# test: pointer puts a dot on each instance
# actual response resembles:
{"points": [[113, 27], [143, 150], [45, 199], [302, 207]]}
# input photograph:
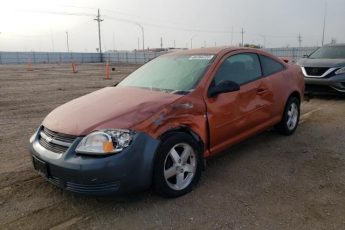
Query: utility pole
{"points": [[299, 38], [53, 46], [138, 43], [232, 35], [174, 44], [242, 32], [264, 38], [324, 25], [191, 40], [143, 35], [114, 48], [67, 42], [161, 43], [99, 20]]}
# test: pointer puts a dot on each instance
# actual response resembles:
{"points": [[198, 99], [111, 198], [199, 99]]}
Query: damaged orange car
{"points": [[157, 126]]}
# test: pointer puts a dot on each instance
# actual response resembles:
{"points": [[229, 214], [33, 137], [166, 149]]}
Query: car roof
{"points": [[213, 51], [221, 51], [336, 45]]}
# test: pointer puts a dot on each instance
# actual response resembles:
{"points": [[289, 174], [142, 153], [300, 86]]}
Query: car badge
{"points": [[49, 139]]}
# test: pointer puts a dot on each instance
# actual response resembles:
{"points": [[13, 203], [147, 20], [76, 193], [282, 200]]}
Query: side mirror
{"points": [[305, 56], [223, 87]]}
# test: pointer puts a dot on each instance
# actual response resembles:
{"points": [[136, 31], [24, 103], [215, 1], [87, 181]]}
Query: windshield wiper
{"points": [[181, 92]]}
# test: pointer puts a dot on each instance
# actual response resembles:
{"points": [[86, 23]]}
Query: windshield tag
{"points": [[201, 57]]}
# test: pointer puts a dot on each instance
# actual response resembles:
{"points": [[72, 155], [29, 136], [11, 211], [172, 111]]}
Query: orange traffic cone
{"points": [[74, 67], [29, 67], [107, 71]]}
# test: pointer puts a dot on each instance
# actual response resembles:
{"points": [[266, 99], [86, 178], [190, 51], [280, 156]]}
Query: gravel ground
{"points": [[267, 182]]}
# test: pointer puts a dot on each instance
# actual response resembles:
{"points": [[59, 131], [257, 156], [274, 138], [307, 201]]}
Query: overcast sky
{"points": [[41, 25]]}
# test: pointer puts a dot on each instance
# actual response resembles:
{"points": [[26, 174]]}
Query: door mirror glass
{"points": [[223, 87]]}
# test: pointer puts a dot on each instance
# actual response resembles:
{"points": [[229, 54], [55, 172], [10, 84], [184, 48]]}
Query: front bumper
{"points": [[125, 172], [336, 83]]}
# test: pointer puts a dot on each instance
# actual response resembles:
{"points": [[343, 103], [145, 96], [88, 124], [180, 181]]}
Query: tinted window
{"points": [[329, 52], [270, 66], [240, 68]]}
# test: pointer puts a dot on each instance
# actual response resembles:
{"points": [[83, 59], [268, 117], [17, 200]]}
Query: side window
{"points": [[239, 68], [270, 66]]}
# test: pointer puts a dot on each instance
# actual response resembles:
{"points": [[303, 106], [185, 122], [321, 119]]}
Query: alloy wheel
{"points": [[180, 166]]}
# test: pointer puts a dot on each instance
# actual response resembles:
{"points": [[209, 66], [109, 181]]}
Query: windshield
{"points": [[171, 74], [329, 52]]}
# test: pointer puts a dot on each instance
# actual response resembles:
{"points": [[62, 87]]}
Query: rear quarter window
{"points": [[270, 66]]}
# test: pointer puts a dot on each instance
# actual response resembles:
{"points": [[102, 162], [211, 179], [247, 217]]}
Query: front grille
{"points": [[55, 142], [316, 71], [104, 188], [59, 136], [89, 188]]}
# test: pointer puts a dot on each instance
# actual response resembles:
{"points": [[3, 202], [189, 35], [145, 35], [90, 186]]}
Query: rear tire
{"points": [[290, 119], [178, 165]]}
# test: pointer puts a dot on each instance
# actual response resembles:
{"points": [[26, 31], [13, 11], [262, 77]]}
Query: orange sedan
{"points": [[158, 125]]}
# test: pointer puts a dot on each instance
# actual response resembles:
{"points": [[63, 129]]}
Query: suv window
{"points": [[270, 66], [329, 52], [239, 68]]}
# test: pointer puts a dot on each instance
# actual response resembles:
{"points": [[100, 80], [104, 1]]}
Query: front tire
{"points": [[178, 165], [290, 120]]}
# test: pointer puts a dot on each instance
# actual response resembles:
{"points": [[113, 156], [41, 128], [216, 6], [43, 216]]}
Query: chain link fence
{"points": [[293, 53], [135, 57], [120, 57], [47, 57]]}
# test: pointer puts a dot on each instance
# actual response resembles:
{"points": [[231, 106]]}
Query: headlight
{"points": [[105, 142], [340, 71]]}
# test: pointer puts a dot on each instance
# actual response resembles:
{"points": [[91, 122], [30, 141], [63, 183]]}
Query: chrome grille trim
{"points": [[55, 142], [330, 70], [59, 136]]}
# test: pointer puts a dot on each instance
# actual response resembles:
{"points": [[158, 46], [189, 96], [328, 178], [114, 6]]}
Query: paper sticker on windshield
{"points": [[201, 57]]}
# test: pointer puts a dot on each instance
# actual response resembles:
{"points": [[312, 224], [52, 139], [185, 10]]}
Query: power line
{"points": [[200, 30], [165, 26], [171, 24], [58, 13]]}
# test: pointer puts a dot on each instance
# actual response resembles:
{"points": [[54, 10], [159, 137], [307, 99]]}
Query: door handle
{"points": [[261, 91]]}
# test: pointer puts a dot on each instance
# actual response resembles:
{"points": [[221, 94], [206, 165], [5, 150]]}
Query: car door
{"points": [[236, 115], [277, 79]]}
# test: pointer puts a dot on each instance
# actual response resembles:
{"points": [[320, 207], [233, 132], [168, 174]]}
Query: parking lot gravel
{"points": [[267, 182]]}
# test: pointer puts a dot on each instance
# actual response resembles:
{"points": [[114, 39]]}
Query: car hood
{"points": [[309, 62], [110, 107]]}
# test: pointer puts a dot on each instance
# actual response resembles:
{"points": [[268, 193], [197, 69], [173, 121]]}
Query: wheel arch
{"points": [[295, 94], [186, 130]]}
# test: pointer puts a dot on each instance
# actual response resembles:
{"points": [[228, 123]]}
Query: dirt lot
{"points": [[268, 182]]}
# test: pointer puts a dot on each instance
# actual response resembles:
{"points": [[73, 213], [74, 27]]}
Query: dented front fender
{"points": [[188, 111]]}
